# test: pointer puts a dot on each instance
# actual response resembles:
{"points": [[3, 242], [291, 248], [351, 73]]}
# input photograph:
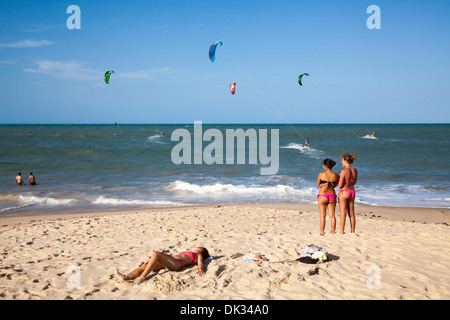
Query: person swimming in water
{"points": [[348, 178], [32, 179], [159, 260], [19, 180]]}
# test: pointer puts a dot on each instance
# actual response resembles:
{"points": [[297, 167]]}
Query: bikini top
{"points": [[329, 182], [190, 254]]}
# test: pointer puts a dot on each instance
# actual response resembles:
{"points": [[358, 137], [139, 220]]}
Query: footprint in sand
{"points": [[220, 270]]}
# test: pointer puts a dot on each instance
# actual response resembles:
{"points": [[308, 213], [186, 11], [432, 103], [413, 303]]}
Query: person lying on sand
{"points": [[160, 260]]}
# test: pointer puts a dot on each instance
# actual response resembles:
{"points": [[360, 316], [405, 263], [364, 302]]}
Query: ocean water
{"points": [[105, 167]]}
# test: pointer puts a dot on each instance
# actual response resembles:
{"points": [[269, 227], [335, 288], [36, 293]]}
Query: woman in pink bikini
{"points": [[160, 260], [327, 181], [347, 180]]}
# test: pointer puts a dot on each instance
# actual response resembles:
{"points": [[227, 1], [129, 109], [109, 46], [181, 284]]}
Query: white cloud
{"points": [[26, 44], [75, 70], [70, 70]]}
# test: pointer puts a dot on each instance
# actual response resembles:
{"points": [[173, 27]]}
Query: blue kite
{"points": [[212, 50]]}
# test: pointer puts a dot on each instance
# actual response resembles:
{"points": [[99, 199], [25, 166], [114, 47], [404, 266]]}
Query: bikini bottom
{"points": [[350, 192], [330, 197]]}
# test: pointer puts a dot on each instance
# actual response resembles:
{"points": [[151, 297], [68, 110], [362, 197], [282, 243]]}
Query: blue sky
{"points": [[158, 50]]}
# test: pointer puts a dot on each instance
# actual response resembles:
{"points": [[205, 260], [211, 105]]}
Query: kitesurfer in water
{"points": [[306, 143]]}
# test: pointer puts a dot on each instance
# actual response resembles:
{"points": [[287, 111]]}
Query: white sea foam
{"points": [[225, 191], [22, 201], [153, 137], [368, 136], [156, 139], [413, 195], [120, 202], [14, 208], [44, 200], [307, 150]]}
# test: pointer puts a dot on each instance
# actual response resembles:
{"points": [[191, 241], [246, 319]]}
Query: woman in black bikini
{"points": [[160, 260], [327, 181]]}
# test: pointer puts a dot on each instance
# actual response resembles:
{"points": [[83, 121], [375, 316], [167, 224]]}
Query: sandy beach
{"points": [[396, 253]]}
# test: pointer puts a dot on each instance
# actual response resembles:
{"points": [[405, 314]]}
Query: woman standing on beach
{"points": [[160, 260], [327, 181], [347, 180]]}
